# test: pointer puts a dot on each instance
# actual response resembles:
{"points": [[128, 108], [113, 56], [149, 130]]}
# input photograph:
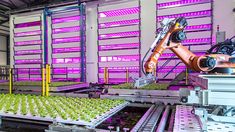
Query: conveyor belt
{"points": [[149, 121]]}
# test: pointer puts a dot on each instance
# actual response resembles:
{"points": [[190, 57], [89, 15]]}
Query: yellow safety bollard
{"points": [[43, 81], [186, 76], [154, 71], [10, 81], [47, 79], [127, 75], [106, 75]]}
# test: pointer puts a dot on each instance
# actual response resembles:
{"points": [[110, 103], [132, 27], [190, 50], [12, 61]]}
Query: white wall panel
{"points": [[3, 58], [109, 6], [119, 41], [27, 29], [66, 14], [27, 57], [35, 47], [204, 34], [30, 38], [18, 20], [183, 9]]}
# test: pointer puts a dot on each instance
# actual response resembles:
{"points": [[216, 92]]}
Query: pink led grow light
{"points": [[32, 33], [120, 12], [181, 3], [66, 40], [66, 71], [28, 24], [33, 42], [65, 19], [187, 15], [123, 58], [119, 23], [25, 52], [64, 50], [119, 46], [119, 35], [199, 27], [27, 71], [197, 41], [67, 29], [29, 61], [67, 60]]}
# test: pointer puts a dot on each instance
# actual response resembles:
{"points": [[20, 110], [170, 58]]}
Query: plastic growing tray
{"points": [[68, 110]]}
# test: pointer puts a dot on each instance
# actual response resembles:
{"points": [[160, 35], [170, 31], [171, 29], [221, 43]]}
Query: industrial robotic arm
{"points": [[170, 37]]}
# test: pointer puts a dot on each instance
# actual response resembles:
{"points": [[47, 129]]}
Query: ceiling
{"points": [[7, 6]]}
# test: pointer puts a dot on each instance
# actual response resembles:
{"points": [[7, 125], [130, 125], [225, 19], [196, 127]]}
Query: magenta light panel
{"points": [[66, 29], [65, 19], [25, 49], [120, 12], [194, 11], [181, 3], [28, 24], [31, 33], [116, 64], [119, 46]]}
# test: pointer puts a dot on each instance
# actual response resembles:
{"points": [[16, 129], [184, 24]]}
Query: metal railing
{"points": [[172, 70]]}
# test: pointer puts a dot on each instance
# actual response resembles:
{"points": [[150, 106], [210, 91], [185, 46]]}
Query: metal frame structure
{"points": [[220, 92]]}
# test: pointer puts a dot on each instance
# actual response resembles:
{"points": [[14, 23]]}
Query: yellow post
{"points": [[47, 79], [106, 75], [186, 76], [127, 75], [154, 71], [10, 81], [43, 81]]}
